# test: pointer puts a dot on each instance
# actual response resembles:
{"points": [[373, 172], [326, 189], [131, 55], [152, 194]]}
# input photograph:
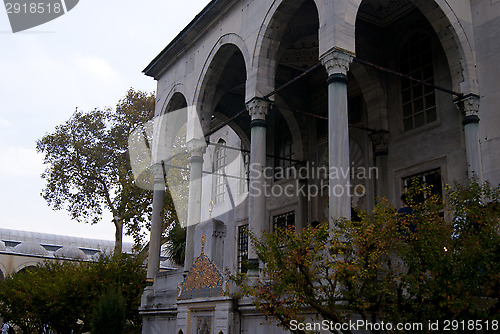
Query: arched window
{"points": [[219, 172], [418, 100]]}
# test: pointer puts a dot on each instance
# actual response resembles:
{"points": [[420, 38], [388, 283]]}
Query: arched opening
{"points": [[222, 92], [397, 35], [222, 96], [25, 268], [298, 128], [177, 101]]}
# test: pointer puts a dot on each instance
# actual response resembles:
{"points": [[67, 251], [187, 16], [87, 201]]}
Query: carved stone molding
{"points": [[158, 173], [337, 61], [197, 147], [469, 104], [258, 108], [219, 230], [380, 141]]}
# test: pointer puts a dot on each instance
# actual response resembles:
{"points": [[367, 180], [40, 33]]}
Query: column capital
{"points": [[258, 108], [380, 141], [337, 61], [158, 174], [469, 104], [196, 147]]}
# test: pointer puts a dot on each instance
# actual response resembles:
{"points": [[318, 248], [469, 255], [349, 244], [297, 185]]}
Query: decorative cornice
{"points": [[337, 61], [258, 108]]}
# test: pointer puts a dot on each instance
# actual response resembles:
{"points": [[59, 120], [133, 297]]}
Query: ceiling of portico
{"points": [[383, 12], [299, 43]]}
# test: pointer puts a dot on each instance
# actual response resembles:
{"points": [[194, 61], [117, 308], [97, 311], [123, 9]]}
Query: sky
{"points": [[85, 59]]}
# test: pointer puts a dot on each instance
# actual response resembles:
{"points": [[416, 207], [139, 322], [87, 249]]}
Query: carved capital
{"points": [[380, 141], [158, 174], [258, 108], [196, 147], [337, 61], [469, 104]]}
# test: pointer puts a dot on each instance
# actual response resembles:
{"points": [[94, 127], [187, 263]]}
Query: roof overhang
{"points": [[187, 37]]}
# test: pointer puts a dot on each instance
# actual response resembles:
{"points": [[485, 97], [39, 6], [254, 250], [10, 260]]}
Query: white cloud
{"points": [[19, 161]]}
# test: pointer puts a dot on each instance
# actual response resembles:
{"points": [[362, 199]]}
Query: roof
{"points": [[54, 241], [193, 31]]}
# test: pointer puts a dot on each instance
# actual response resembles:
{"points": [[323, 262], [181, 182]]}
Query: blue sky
{"points": [[87, 58]]}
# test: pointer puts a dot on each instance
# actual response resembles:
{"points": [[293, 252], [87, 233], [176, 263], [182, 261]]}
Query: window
{"points": [[219, 172], [418, 100], [283, 143], [431, 180], [284, 220], [244, 170], [243, 248]]}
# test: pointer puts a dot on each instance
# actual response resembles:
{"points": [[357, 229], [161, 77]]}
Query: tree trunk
{"points": [[118, 235]]}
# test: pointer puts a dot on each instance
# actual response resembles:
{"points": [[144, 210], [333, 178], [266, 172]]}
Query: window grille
{"points": [[284, 220], [418, 101], [283, 144], [430, 180], [219, 172], [242, 248]]}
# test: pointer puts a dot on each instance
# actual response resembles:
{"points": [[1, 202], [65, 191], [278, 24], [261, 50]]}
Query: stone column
{"points": [[156, 222], [470, 106], [258, 109], [194, 202], [337, 64], [380, 141]]}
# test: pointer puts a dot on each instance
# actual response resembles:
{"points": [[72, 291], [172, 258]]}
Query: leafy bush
{"points": [[109, 314], [64, 294], [449, 268]]}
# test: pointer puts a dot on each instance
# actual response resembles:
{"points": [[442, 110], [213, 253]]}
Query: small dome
{"points": [[30, 248], [2, 246], [70, 252]]}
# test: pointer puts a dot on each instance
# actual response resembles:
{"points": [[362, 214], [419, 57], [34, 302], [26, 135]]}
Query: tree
{"points": [[176, 248], [89, 169], [447, 269]]}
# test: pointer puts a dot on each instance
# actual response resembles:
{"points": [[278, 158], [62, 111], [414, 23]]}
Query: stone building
{"points": [[24, 249], [378, 91]]}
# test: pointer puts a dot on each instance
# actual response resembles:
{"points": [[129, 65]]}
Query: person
{"points": [[5, 328], [405, 214]]}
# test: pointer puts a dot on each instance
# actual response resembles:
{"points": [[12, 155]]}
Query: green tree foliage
{"points": [[59, 294], [88, 166], [109, 314], [176, 247], [376, 268]]}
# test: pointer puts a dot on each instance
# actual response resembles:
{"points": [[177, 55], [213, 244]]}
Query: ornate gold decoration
{"points": [[203, 241], [204, 279]]}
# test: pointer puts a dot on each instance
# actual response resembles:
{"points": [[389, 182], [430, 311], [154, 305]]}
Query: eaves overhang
{"points": [[187, 37]]}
